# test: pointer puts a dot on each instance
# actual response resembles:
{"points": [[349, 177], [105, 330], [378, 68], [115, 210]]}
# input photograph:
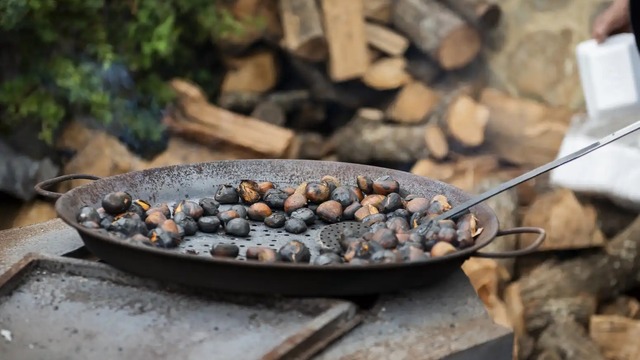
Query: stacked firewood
{"points": [[313, 74]]}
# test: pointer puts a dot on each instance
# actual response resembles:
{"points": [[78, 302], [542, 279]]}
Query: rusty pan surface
{"points": [[193, 181]]}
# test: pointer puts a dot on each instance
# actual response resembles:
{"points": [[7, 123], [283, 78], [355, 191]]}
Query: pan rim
{"points": [[459, 255]]}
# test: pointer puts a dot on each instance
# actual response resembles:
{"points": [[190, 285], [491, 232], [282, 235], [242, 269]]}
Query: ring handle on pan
{"points": [[526, 251], [52, 195]]}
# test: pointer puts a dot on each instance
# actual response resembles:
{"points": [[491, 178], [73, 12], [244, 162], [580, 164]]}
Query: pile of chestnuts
{"points": [[400, 228]]}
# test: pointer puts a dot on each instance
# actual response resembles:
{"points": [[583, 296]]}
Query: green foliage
{"points": [[105, 59]]}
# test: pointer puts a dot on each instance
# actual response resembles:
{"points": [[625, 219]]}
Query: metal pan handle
{"points": [[52, 195], [526, 251]]}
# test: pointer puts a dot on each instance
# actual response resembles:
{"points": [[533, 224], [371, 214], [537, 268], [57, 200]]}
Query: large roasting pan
{"points": [[171, 183]]}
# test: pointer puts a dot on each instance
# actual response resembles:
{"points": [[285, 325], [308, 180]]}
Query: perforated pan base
{"points": [[318, 237]]}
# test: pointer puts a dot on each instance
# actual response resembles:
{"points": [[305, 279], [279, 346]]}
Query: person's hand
{"points": [[613, 20]]}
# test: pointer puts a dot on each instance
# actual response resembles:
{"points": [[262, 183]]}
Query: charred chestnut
{"points": [[116, 202], [226, 194], [317, 192], [187, 222], [210, 207], [327, 259], [208, 224], [170, 226], [418, 205], [391, 202], [397, 224], [294, 202], [374, 218], [128, 226], [295, 226], [163, 208], [373, 200], [265, 186], [259, 211], [412, 253], [359, 249], [90, 224], [443, 201], [237, 227], [385, 185], [241, 210], [275, 198], [225, 250], [331, 181], [377, 226], [365, 184], [304, 214], [349, 212], [140, 207], [343, 195], [386, 238], [357, 193], [330, 211], [275, 220], [465, 239], [163, 239], [87, 213], [403, 213], [449, 235], [249, 191], [385, 257], [295, 252], [189, 208], [228, 215]]}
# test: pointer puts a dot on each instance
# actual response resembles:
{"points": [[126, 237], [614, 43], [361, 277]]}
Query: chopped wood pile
{"points": [[396, 78]]}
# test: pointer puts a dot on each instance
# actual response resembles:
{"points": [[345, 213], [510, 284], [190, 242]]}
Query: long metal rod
{"points": [[538, 171]]}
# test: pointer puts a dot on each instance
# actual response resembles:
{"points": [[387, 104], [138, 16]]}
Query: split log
{"points": [[386, 74], [370, 114], [256, 73], [368, 141], [207, 122], [464, 172], [522, 131], [303, 31], [487, 277], [378, 10], [626, 306], [616, 336], [413, 103], [481, 13], [436, 142], [438, 32], [270, 112], [245, 102], [570, 340], [568, 223], [346, 38], [602, 274], [386, 40], [467, 121]]}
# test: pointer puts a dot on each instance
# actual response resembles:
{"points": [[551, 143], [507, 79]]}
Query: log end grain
{"points": [[459, 48], [436, 142]]}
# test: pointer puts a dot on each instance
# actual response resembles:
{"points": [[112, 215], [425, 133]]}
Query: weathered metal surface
{"points": [[446, 321], [52, 237], [55, 308], [193, 181]]}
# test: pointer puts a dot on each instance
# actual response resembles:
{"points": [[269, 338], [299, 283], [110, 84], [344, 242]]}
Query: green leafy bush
{"points": [[104, 59]]}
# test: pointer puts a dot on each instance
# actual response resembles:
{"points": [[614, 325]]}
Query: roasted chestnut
{"points": [[373, 200], [397, 224], [263, 254], [187, 222], [87, 213], [374, 218], [295, 226], [295, 252], [116, 202], [228, 215], [385, 185], [377, 226], [391, 202], [170, 226], [163, 239], [349, 212], [403, 213], [330, 211], [289, 190], [385, 256], [302, 188], [265, 186], [359, 249], [365, 184], [361, 213], [275, 220], [237, 227], [90, 224], [317, 192], [465, 239], [331, 181], [386, 238], [249, 191], [343, 195], [294, 202], [241, 210], [304, 214], [189, 208], [411, 253], [357, 193], [163, 208], [442, 248], [226, 194], [128, 226], [259, 211], [210, 207], [208, 224], [447, 223], [327, 259], [417, 205], [140, 207], [275, 198], [448, 234], [225, 250]]}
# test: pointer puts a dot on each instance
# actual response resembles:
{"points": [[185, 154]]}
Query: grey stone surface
{"points": [[20, 173]]}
